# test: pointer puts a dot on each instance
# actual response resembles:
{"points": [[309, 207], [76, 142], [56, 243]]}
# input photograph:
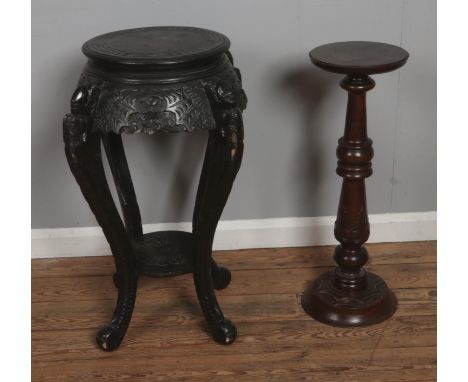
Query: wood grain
{"points": [[167, 339], [265, 258]]}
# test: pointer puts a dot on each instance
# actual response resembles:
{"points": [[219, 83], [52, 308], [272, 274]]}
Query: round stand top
{"points": [[156, 46], [359, 57]]}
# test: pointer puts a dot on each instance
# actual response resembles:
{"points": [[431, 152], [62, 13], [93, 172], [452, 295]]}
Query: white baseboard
{"points": [[240, 234]]}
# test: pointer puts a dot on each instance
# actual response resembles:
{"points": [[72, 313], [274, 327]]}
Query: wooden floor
{"points": [[277, 341]]}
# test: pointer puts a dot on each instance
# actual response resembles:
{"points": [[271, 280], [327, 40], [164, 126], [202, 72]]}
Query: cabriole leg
{"points": [[115, 153], [221, 276], [83, 151], [222, 161]]}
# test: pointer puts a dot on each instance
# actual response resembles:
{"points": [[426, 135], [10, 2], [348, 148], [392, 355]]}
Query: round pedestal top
{"points": [[156, 46], [359, 57]]}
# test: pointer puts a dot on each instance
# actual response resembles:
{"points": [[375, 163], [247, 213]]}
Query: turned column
{"points": [[349, 295], [354, 154]]}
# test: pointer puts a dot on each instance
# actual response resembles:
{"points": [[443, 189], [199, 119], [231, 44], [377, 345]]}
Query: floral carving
{"points": [[136, 108], [326, 290]]}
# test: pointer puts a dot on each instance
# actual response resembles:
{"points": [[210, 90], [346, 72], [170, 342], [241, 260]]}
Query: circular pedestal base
{"points": [[165, 253], [327, 304]]}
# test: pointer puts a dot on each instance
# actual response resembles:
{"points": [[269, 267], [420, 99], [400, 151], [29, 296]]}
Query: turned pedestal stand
{"points": [[162, 79], [350, 296]]}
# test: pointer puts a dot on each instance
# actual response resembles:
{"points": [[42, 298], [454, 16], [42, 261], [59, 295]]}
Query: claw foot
{"points": [[225, 332], [109, 338], [221, 278]]}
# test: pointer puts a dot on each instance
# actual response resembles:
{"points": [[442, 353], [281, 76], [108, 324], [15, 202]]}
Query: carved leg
{"points": [[222, 161], [82, 148], [123, 183], [221, 275]]}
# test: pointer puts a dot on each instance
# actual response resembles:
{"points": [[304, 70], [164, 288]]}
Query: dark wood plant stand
{"points": [[350, 296], [160, 79]]}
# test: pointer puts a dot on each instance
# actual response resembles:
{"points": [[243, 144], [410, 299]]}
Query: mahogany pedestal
{"points": [[349, 295], [148, 80]]}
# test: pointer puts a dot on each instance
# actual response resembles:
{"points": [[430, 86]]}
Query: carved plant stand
{"points": [[165, 79], [350, 296]]}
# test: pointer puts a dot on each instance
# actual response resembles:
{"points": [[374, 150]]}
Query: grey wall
{"points": [[294, 117]]}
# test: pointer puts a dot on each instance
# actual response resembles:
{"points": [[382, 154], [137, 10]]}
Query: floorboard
{"points": [[168, 340]]}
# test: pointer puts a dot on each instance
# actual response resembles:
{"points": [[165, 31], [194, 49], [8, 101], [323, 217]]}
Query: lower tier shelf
{"points": [[165, 253]]}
